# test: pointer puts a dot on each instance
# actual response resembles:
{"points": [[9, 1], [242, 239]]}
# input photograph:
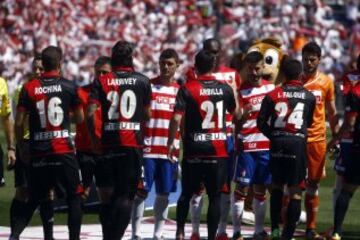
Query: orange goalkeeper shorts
{"points": [[316, 152]]}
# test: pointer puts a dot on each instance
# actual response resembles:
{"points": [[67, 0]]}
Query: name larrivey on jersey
{"points": [[121, 81]]}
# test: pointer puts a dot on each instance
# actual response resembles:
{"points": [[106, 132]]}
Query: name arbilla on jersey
{"points": [[211, 91], [48, 89], [204, 137]]}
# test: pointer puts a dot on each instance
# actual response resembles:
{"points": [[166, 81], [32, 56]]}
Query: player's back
{"points": [[206, 101], [124, 95], [49, 101], [293, 108]]}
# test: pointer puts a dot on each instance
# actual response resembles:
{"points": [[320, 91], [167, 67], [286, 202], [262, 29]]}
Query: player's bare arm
{"points": [[348, 124], [173, 128], [9, 133], [90, 121], [332, 117]]}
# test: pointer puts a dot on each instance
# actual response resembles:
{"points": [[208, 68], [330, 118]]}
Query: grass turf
{"points": [[325, 217]]}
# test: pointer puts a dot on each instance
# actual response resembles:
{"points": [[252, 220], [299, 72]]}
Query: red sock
{"points": [[312, 207]]}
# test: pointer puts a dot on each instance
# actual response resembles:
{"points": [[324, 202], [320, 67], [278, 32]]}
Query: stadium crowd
{"points": [[87, 29]]}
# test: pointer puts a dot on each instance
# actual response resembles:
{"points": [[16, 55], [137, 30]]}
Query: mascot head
{"points": [[270, 48]]}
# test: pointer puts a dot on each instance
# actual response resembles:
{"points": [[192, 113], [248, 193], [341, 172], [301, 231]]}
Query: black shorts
{"points": [[288, 160], [87, 163], [48, 172], [22, 166], [212, 172], [120, 169], [352, 169]]}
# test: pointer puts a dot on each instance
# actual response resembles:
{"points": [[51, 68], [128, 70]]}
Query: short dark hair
{"points": [[312, 47], [37, 57], [169, 53], [208, 44], [122, 54], [291, 68], [204, 62], [51, 58], [254, 57], [102, 60], [358, 62]]}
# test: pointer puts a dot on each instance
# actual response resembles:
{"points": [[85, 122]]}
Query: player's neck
{"points": [[309, 75], [166, 80]]}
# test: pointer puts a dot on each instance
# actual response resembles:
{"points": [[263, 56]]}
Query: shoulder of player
{"points": [[67, 83], [264, 88], [324, 79]]}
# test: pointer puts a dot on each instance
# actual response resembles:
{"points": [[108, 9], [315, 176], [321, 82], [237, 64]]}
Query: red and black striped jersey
{"points": [[123, 96], [82, 137], [49, 101], [204, 104], [352, 107], [290, 109], [349, 81]]}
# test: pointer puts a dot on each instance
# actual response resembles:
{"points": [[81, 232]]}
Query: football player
{"points": [[252, 162], [323, 89], [202, 104], [284, 117], [48, 100], [157, 167], [124, 96]]}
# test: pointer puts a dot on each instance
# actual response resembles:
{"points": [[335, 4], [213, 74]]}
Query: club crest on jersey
{"points": [[47, 89], [211, 91], [318, 95]]}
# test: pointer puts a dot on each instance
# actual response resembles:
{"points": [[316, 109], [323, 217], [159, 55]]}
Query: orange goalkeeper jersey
{"points": [[323, 89]]}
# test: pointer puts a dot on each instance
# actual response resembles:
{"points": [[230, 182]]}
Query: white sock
{"points": [[337, 189], [225, 208], [237, 211], [137, 215], [259, 207], [161, 213], [196, 203]]}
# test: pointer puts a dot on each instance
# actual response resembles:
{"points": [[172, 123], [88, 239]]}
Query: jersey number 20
{"points": [[127, 104]]}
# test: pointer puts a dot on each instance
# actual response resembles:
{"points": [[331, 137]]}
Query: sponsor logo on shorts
{"points": [[204, 137], [40, 136], [122, 126]]}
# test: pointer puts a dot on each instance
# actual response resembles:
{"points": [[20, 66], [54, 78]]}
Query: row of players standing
{"points": [[126, 98]]}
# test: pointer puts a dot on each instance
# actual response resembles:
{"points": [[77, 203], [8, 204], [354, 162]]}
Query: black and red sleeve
{"points": [[147, 93], [180, 103], [95, 92], [312, 105], [230, 98], [265, 112], [24, 100]]}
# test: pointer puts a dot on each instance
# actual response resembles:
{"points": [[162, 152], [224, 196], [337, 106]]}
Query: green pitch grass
{"points": [[325, 217]]}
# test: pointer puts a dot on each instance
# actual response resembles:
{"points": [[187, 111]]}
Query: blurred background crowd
{"points": [[87, 29]]}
